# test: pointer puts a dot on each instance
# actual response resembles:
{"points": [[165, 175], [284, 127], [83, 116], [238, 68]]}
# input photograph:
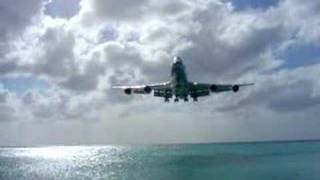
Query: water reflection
{"points": [[210, 161], [60, 162]]}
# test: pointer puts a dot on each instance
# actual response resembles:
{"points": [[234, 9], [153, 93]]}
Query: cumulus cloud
{"points": [[302, 18], [16, 15], [56, 53], [79, 55]]}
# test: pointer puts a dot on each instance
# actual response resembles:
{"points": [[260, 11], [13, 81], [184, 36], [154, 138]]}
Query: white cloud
{"points": [[302, 17]]}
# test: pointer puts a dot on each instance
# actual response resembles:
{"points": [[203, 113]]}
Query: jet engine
{"points": [[147, 89], [213, 88], [142, 90], [128, 91], [235, 88]]}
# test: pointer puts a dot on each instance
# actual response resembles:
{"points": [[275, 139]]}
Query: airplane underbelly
{"points": [[181, 91]]}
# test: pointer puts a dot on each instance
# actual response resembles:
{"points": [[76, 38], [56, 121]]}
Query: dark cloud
{"points": [[86, 81], [7, 113], [217, 51], [292, 98], [119, 9], [280, 95], [15, 15], [132, 11], [7, 67], [28, 98], [167, 7], [57, 59], [3, 97]]}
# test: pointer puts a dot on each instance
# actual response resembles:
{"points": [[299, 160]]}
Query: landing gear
{"points": [[186, 99], [195, 99], [166, 100], [176, 100]]}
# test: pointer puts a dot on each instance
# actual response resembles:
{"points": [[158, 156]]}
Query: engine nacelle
{"points": [[235, 88], [128, 91], [213, 88], [147, 89]]}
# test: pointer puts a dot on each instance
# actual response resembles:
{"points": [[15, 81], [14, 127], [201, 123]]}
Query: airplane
{"points": [[179, 87]]}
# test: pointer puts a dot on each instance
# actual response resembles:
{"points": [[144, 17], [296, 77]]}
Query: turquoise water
{"points": [[298, 160]]}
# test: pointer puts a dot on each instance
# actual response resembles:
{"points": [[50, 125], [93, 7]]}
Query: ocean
{"points": [[280, 160]]}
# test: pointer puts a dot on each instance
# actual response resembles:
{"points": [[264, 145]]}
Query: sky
{"points": [[58, 60]]}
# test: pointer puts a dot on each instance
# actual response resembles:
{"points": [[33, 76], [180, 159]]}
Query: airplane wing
{"points": [[202, 89], [158, 88]]}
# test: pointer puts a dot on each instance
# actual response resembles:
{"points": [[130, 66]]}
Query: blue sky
{"points": [[23, 84], [301, 55], [62, 8]]}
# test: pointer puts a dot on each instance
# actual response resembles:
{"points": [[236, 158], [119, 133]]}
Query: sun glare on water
{"points": [[64, 162], [56, 152], [65, 153]]}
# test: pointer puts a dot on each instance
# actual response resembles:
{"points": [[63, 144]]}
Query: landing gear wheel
{"points": [[195, 99], [176, 100], [166, 100], [186, 99]]}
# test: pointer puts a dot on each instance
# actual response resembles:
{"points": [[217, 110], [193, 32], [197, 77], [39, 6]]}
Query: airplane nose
{"points": [[177, 59]]}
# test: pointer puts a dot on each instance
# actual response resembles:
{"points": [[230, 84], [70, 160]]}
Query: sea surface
{"points": [[285, 160]]}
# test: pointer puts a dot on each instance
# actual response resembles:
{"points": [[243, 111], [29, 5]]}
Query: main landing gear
{"points": [[176, 99], [185, 99], [195, 99]]}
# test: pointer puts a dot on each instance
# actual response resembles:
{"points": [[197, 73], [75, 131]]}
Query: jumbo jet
{"points": [[179, 87]]}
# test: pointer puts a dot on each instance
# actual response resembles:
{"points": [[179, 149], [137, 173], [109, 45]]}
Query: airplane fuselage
{"points": [[179, 80]]}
